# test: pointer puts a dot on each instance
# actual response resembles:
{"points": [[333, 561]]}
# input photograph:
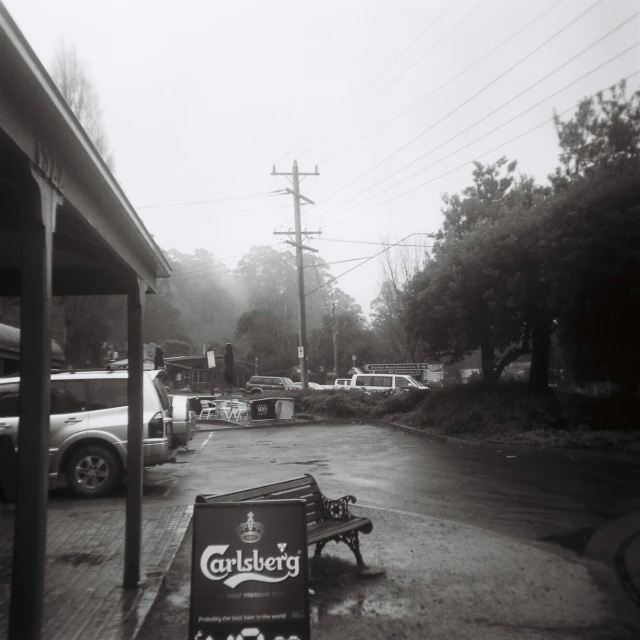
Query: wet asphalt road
{"points": [[552, 496]]}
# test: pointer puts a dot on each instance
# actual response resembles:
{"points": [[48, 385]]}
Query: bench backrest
{"points": [[305, 488]]}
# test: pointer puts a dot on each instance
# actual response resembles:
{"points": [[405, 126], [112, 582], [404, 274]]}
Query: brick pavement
{"points": [[83, 596]]}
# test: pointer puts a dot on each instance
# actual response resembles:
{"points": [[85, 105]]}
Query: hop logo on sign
{"points": [[282, 546]]}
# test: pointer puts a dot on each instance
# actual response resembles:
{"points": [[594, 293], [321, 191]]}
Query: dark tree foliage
{"points": [[482, 290], [514, 260]]}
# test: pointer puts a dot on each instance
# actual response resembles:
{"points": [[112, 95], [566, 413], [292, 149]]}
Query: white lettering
{"points": [[253, 567]]}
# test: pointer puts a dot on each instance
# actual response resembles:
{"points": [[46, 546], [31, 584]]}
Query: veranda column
{"points": [[37, 222], [133, 530]]}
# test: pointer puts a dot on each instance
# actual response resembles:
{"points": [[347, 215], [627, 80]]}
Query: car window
{"points": [[287, 380], [107, 393], [402, 383], [364, 381], [68, 396], [382, 381], [9, 400]]}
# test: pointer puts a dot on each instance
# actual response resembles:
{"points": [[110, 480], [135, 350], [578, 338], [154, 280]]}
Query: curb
{"points": [[225, 425], [609, 545], [155, 580], [492, 446]]}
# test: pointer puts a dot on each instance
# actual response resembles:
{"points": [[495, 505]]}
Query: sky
{"points": [[391, 100]]}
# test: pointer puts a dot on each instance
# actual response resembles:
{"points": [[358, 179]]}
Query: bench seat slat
{"points": [[328, 530], [260, 492]]}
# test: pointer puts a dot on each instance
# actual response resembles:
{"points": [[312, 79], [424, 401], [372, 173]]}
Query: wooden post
{"points": [[37, 222], [133, 527]]}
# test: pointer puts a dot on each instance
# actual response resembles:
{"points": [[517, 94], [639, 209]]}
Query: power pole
{"points": [[297, 196], [335, 337]]}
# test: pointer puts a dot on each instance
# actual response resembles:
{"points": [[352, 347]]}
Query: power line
{"points": [[220, 262], [466, 164], [488, 133], [208, 213], [446, 83], [383, 244], [359, 265], [188, 204], [315, 264], [413, 64], [370, 82], [472, 97]]}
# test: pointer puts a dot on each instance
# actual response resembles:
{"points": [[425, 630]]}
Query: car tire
{"points": [[255, 392], [93, 472]]}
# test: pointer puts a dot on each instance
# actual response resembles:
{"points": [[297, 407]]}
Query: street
{"points": [[533, 509], [535, 495]]}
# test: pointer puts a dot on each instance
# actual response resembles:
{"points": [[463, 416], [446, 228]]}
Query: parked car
{"points": [[313, 385], [385, 382], [342, 383], [260, 384], [184, 419], [88, 428]]}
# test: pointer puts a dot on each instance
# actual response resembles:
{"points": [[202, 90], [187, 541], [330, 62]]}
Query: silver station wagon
{"points": [[88, 429]]}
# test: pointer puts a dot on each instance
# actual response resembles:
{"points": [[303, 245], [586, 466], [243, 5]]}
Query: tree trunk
{"points": [[539, 373], [488, 355]]}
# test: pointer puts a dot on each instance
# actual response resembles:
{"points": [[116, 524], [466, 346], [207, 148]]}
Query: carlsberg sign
{"points": [[240, 568], [249, 570]]}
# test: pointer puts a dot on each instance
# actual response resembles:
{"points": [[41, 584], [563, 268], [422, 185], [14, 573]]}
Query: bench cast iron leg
{"points": [[352, 541]]}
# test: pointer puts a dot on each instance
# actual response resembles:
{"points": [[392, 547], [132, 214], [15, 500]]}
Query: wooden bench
{"points": [[326, 519]]}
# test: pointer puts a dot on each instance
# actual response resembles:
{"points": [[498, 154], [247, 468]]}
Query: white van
{"points": [[384, 382]]}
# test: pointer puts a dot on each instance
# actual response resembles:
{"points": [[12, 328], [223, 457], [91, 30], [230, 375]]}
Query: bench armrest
{"points": [[338, 509]]}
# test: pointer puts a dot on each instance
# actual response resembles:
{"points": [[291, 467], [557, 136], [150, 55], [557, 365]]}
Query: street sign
{"points": [[249, 571], [211, 359], [300, 352], [409, 368], [353, 358], [435, 373]]}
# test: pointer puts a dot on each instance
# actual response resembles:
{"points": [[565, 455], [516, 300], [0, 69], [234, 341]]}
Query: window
{"points": [[9, 400], [107, 393], [402, 383], [68, 396], [383, 381], [364, 381]]}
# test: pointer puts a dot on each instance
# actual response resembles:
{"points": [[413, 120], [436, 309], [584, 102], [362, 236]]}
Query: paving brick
{"points": [[83, 596]]}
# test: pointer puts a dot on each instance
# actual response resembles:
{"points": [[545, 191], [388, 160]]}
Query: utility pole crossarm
{"points": [[302, 246]]}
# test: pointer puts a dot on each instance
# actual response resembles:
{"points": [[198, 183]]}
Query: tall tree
{"points": [[592, 258], [91, 326], [483, 290], [70, 76], [390, 310]]}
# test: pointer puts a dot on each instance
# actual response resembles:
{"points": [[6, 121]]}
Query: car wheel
{"points": [[93, 472], [255, 392]]}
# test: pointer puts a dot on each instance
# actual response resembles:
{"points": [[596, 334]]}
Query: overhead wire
{"points": [[466, 163], [371, 81], [400, 75], [209, 213], [198, 202], [308, 293], [445, 83], [472, 97], [488, 133]]}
